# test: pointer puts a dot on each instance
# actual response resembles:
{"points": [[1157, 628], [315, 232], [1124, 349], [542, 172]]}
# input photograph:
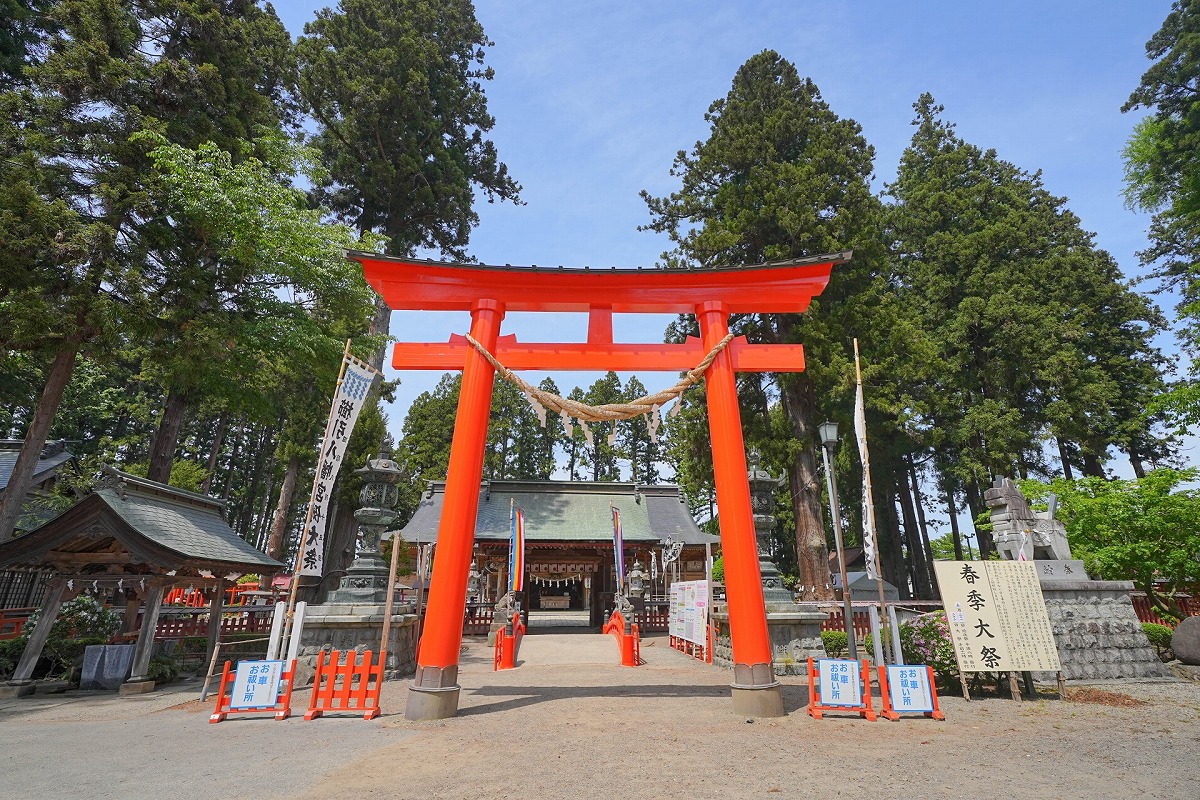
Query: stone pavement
{"points": [[570, 721]]}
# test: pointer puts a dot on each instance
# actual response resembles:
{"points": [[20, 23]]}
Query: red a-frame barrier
{"points": [[490, 292]]}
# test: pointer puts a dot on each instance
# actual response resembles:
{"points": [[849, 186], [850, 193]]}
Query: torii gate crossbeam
{"points": [[488, 293]]}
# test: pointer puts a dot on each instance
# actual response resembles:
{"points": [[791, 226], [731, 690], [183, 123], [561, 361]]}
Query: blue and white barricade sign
{"points": [[839, 682], [256, 684], [908, 687]]}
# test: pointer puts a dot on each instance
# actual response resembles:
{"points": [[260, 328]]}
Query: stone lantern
{"points": [[762, 501], [366, 579], [636, 581]]}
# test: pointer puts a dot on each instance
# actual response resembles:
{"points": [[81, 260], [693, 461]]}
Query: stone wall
{"points": [[345, 627], [1097, 631], [795, 636]]}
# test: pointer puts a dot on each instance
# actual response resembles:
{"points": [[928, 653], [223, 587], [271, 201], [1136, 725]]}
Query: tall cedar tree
{"points": [[1029, 330], [1162, 170], [396, 88], [781, 176]]}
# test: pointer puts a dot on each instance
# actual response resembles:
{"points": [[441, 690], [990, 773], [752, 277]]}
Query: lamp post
{"points": [[829, 439]]}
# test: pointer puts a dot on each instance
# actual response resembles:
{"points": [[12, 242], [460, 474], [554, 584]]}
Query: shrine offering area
{"points": [[568, 722]]}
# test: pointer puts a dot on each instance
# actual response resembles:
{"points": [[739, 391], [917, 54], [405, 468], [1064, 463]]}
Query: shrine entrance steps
{"points": [[543, 621]]}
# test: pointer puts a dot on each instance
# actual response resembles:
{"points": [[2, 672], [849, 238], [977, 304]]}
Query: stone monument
{"points": [[1096, 629], [352, 619], [794, 628]]}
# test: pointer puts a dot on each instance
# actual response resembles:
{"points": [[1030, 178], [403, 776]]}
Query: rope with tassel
{"points": [[568, 409]]}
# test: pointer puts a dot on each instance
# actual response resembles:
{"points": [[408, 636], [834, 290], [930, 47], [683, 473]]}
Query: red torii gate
{"points": [[488, 293]]}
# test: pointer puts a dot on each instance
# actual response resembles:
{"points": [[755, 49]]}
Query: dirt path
{"points": [[570, 722]]}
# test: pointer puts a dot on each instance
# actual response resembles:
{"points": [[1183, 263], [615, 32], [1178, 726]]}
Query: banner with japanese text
{"points": [[347, 403]]}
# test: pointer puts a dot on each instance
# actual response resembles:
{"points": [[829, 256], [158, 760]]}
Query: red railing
{"points": [[181, 623], [629, 644], [12, 620], [837, 622], [654, 617], [1190, 606]]}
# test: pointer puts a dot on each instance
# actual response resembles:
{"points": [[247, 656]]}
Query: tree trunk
{"points": [[231, 469], [1066, 462], [35, 438], [1135, 461], [1092, 467], [891, 559], [812, 549], [919, 506], [162, 448], [215, 453], [922, 586], [952, 507], [279, 524], [975, 504]]}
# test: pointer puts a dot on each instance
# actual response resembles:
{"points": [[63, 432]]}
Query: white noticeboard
{"points": [[908, 687], [256, 684], [689, 611], [840, 682], [997, 616]]}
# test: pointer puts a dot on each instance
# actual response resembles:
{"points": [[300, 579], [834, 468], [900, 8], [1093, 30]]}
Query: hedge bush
{"points": [[836, 643], [1160, 637]]}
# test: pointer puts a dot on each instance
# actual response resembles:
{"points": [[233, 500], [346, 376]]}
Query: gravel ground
{"points": [[569, 722]]}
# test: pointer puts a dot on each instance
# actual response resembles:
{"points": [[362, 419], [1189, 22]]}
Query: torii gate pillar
{"points": [[488, 293], [756, 692]]}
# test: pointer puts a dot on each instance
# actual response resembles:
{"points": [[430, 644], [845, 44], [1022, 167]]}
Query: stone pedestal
{"points": [[1096, 630], [795, 631], [347, 626], [106, 666]]}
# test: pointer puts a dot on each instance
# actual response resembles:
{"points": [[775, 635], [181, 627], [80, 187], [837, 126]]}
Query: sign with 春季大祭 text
{"points": [[256, 684], [689, 611], [997, 616]]}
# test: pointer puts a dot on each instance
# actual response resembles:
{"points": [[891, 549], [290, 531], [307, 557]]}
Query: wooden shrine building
{"points": [[569, 538], [128, 543]]}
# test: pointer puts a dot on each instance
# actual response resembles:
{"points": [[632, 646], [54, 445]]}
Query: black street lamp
{"points": [[829, 439]]}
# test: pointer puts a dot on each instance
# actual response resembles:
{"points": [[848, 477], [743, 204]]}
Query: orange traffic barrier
{"points": [[934, 711], [346, 687], [282, 707], [863, 708]]}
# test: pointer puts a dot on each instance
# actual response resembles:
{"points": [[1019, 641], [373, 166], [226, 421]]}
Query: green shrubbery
{"points": [[1160, 637], [836, 643], [80, 622]]}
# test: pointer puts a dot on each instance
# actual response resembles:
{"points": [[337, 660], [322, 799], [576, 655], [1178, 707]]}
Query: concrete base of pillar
{"points": [[135, 687], [431, 703], [17, 689], [765, 701]]}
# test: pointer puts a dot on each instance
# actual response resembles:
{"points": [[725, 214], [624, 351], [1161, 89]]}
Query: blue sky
{"points": [[592, 101]]}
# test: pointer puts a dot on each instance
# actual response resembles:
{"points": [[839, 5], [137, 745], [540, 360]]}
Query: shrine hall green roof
{"points": [[567, 511]]}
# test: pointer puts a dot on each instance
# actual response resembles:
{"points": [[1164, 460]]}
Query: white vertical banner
{"points": [[868, 510], [347, 402]]}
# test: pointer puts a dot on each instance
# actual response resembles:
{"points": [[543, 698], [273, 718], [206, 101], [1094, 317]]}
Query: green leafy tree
{"points": [[1145, 530], [599, 455], [1162, 173], [93, 253], [635, 443]]}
